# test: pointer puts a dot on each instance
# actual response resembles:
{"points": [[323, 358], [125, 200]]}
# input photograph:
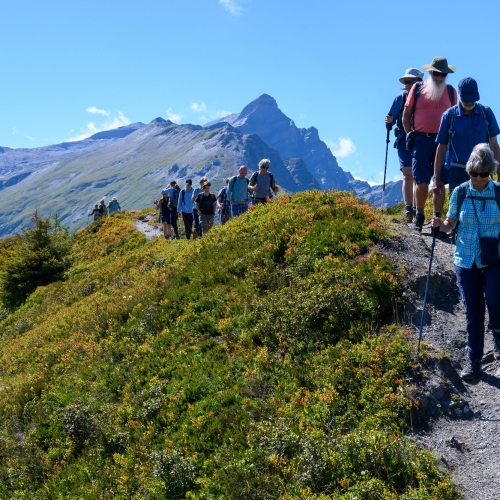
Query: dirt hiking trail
{"points": [[459, 421]]}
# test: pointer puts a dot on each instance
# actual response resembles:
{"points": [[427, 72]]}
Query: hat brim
{"points": [[448, 70], [408, 77], [469, 97]]}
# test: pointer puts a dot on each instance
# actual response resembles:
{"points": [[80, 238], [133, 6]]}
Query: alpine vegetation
{"points": [[256, 362]]}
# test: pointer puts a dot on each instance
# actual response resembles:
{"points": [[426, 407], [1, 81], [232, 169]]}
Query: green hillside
{"points": [[254, 363]]}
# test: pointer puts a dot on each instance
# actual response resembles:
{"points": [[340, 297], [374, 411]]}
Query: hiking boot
{"points": [[496, 342], [419, 221], [408, 214], [471, 370]]}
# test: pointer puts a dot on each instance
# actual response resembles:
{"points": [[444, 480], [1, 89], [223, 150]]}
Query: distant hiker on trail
{"points": [[262, 183], [462, 127], [185, 207], [395, 115], [163, 205], [237, 192], [96, 212], [196, 215], [205, 203], [173, 195], [424, 107], [103, 208], [223, 204], [113, 206], [476, 206]]}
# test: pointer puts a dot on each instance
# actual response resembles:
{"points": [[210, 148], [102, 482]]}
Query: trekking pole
{"points": [[388, 126], [435, 231]]}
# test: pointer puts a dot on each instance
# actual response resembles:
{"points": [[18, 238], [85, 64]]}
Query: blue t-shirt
{"points": [[187, 205], [468, 249], [468, 131]]}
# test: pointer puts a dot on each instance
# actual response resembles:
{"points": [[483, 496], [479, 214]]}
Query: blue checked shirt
{"points": [[468, 249]]}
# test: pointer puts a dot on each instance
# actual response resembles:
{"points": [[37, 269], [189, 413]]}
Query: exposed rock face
{"points": [[264, 118], [374, 194], [304, 180]]}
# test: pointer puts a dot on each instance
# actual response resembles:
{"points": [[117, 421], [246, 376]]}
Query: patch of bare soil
{"points": [[459, 421], [146, 226]]}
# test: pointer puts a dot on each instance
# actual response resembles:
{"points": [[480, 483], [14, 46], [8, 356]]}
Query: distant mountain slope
{"points": [[263, 117], [374, 194], [17, 164], [133, 168]]}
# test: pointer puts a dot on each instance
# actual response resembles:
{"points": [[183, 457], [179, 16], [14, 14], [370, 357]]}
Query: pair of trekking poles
{"points": [[435, 232]]}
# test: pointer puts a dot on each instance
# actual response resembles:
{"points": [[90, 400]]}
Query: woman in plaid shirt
{"points": [[479, 217]]}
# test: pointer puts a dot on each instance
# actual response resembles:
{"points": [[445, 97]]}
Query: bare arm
{"points": [[438, 166], [446, 226], [407, 119]]}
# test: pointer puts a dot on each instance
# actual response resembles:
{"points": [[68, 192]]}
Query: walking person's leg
{"points": [[491, 279]]}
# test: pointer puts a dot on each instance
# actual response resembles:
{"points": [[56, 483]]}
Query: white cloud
{"points": [[14, 130], [174, 117], [344, 148], [221, 113], [29, 138], [200, 108], [203, 118], [94, 111], [232, 7], [114, 122]]}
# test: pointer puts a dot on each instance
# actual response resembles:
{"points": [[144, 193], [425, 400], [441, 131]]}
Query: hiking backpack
{"points": [[451, 132], [462, 194], [174, 199]]}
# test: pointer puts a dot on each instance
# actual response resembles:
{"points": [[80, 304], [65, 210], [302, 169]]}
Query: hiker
{"points": [[462, 127], [96, 212], [185, 207], [113, 206], [173, 199], [196, 215], [476, 206], [395, 115], [262, 183], [424, 107], [163, 206], [103, 208], [237, 192], [223, 204], [205, 203]]}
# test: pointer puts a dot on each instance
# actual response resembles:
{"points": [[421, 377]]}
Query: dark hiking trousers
{"points": [[188, 224], [479, 288]]}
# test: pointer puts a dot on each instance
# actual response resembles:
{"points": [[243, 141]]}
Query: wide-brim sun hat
{"points": [[411, 73], [439, 64]]}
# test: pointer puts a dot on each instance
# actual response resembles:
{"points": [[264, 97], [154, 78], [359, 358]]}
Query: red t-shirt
{"points": [[428, 113]]}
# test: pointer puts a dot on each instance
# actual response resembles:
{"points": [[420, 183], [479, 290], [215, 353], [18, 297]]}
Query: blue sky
{"points": [[73, 68]]}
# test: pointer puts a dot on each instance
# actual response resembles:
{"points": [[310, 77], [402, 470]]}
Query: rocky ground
{"points": [[149, 226], [459, 421]]}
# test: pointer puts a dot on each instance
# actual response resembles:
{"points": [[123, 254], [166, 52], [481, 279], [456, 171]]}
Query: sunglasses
{"points": [[483, 175], [264, 167], [408, 82], [438, 73], [206, 186]]}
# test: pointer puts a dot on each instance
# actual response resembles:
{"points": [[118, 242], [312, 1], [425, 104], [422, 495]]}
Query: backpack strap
{"points": [[481, 107], [404, 96], [451, 92], [416, 95], [451, 133], [183, 196]]}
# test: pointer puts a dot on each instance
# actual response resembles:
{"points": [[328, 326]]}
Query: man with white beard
{"points": [[462, 127], [424, 107]]}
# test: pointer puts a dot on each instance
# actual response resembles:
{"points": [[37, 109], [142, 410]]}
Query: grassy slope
{"points": [[248, 364]]}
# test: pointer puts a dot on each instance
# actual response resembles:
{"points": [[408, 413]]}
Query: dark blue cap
{"points": [[468, 90]]}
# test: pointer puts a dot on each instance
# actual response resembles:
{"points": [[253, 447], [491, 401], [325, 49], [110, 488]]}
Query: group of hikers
{"points": [[198, 206], [453, 140], [101, 210]]}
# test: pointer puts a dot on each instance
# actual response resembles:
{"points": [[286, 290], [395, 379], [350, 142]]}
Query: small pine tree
{"points": [[39, 257]]}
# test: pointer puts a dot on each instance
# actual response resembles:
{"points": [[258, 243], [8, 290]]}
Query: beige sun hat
{"points": [[439, 64]]}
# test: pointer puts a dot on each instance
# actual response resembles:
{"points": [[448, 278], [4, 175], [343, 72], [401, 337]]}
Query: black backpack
{"points": [[174, 199]]}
